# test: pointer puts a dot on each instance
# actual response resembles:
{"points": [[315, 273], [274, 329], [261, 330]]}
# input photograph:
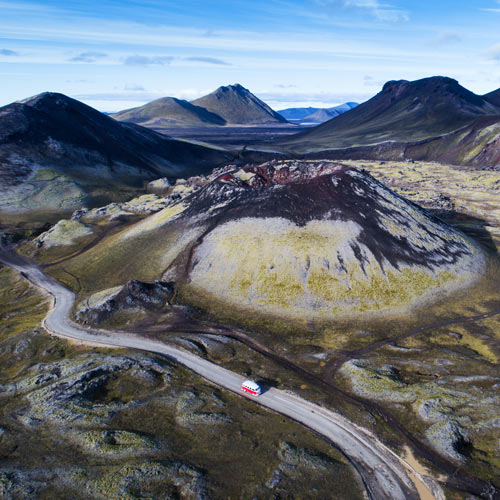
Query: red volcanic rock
{"points": [[278, 173]]}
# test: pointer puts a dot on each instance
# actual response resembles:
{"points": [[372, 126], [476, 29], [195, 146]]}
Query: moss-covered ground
{"points": [[80, 422], [438, 380]]}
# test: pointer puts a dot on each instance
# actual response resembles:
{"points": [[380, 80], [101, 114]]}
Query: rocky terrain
{"points": [[134, 297]]}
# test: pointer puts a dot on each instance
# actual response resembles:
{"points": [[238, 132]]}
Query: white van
{"points": [[251, 387]]}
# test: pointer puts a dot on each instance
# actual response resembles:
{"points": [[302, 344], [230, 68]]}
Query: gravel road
{"points": [[384, 473]]}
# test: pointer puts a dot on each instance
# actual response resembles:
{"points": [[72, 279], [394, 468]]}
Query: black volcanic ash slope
{"points": [[304, 239], [402, 111], [56, 152], [238, 106]]}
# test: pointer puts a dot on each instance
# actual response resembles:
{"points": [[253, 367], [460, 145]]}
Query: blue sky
{"points": [[116, 54]]}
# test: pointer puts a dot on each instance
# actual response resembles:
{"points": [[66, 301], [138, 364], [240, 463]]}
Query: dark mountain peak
{"points": [[438, 81], [428, 85], [235, 91], [395, 86], [403, 111], [60, 107], [493, 97], [235, 88], [50, 99], [438, 91], [43, 96]]}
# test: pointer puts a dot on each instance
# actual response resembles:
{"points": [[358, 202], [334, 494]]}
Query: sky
{"points": [[117, 54]]}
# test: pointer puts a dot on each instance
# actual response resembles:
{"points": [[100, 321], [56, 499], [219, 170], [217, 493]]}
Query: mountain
{"points": [[322, 115], [476, 144], [57, 153], [402, 111], [297, 114], [493, 97], [238, 106], [291, 240], [343, 108], [167, 112], [316, 115]]}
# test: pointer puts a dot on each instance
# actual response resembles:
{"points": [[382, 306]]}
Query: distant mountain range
{"points": [[315, 115], [230, 105], [402, 112], [58, 154]]}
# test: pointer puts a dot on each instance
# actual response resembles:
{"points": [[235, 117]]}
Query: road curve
{"points": [[384, 473]]}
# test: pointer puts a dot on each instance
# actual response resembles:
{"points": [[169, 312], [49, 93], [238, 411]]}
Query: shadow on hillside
{"points": [[474, 227]]}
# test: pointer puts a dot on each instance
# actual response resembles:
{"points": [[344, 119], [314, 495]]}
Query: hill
{"points": [[316, 115], [322, 115], [167, 112], [58, 154], [297, 114], [238, 106], [493, 97], [402, 111], [291, 240]]}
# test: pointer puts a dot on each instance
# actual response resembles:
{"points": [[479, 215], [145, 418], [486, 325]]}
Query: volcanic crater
{"points": [[316, 239]]}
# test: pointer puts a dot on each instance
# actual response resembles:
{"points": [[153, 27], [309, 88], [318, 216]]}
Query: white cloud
{"points": [[208, 60], [136, 93], [381, 11], [88, 57], [147, 60], [494, 52], [497, 10], [140, 60], [8, 52], [369, 81], [134, 87], [24, 6], [447, 38]]}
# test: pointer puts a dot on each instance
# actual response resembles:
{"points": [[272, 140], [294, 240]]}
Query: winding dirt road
{"points": [[384, 474]]}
